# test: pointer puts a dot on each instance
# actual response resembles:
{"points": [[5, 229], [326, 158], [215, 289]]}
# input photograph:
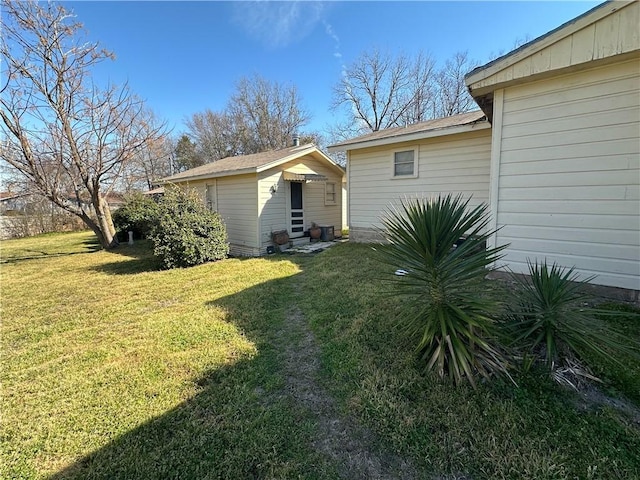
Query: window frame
{"points": [[334, 193], [415, 163]]}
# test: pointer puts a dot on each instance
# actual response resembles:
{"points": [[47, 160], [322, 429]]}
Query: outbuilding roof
{"points": [[429, 128], [253, 163]]}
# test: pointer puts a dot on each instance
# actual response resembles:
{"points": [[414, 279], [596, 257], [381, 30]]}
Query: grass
{"points": [[112, 368], [534, 431], [623, 377]]}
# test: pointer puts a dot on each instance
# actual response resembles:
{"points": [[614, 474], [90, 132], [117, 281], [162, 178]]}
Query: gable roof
{"points": [[417, 131], [254, 163], [485, 77]]}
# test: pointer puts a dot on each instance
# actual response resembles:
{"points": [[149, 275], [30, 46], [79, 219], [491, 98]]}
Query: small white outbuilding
{"points": [[259, 194]]}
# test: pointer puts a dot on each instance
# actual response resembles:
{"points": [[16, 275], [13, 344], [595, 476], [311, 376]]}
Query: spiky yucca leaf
{"points": [[448, 305], [550, 319]]}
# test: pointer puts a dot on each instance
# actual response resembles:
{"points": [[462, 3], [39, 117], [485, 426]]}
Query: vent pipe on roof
{"points": [[296, 140]]}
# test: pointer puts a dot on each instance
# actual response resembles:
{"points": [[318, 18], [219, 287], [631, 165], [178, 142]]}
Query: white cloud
{"points": [[336, 46], [278, 24]]}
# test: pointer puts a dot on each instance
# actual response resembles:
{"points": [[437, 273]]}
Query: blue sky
{"points": [[184, 57]]}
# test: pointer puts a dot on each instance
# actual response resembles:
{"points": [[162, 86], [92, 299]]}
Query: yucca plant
{"points": [[551, 321], [447, 304]]}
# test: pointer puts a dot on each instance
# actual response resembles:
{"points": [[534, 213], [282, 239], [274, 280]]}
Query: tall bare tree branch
{"points": [[261, 115], [68, 137], [379, 91]]}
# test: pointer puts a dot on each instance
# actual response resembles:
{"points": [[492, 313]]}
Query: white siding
{"points": [[237, 203], [449, 164], [569, 173], [273, 206]]}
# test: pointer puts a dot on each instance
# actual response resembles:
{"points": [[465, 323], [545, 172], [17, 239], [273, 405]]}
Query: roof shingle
{"points": [[427, 126], [229, 165]]}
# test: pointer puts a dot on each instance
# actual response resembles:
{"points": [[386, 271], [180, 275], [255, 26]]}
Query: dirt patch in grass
{"points": [[347, 445], [590, 397]]}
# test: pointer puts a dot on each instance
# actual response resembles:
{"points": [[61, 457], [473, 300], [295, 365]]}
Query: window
{"points": [[329, 193], [211, 197], [404, 164]]}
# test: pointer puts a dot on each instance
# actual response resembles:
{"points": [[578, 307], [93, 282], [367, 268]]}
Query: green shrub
{"points": [[138, 214], [449, 306], [551, 322], [187, 233]]}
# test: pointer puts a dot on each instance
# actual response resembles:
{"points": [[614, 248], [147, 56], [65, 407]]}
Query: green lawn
{"points": [[113, 369]]}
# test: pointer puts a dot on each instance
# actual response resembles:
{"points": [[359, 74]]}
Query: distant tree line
{"points": [[377, 91]]}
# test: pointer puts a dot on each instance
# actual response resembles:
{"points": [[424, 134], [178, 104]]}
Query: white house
{"points": [[554, 150], [258, 194]]}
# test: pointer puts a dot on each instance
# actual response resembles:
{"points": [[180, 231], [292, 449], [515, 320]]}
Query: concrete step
{"points": [[300, 241]]}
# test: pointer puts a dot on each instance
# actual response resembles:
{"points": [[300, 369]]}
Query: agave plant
{"points": [[551, 323], [438, 246]]}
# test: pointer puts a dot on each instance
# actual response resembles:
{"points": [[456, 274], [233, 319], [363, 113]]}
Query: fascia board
{"points": [[411, 137], [544, 41]]}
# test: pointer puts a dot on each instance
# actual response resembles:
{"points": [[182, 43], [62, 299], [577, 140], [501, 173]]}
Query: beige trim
{"points": [[535, 46], [494, 170], [206, 176], [412, 136], [310, 151], [348, 225], [416, 162], [326, 192]]}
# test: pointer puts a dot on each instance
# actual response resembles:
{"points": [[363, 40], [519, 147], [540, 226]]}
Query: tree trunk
{"points": [[107, 237]]}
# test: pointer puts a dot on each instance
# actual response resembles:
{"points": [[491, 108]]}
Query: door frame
{"points": [[289, 212]]}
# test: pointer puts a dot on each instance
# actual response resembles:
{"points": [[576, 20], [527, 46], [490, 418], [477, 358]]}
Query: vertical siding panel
{"points": [[614, 31], [606, 36], [628, 31], [560, 55], [582, 46], [541, 61]]}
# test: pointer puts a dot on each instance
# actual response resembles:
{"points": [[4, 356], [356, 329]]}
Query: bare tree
{"points": [[153, 160], [214, 134], [68, 137], [261, 115], [265, 114], [452, 94], [379, 91]]}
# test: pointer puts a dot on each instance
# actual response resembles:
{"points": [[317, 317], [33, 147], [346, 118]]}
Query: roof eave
{"points": [[543, 41], [288, 158], [301, 153], [204, 176], [410, 137]]}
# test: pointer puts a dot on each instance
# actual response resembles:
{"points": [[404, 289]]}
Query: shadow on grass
{"points": [[239, 424], [90, 245], [140, 259]]}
